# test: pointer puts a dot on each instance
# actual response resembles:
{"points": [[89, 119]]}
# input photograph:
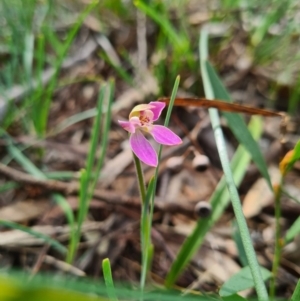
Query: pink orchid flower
{"points": [[141, 120]]}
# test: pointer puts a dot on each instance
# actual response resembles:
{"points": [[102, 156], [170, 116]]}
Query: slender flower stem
{"points": [[148, 198], [144, 223], [278, 241]]}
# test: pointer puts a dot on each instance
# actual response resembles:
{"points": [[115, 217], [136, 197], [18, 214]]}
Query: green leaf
{"points": [[241, 281], [66, 208], [239, 244], [24, 161], [52, 242], [296, 155], [293, 231], [234, 297], [296, 293]]}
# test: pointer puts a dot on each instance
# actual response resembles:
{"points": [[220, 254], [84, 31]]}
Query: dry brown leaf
{"points": [[24, 210], [220, 266], [260, 195]]}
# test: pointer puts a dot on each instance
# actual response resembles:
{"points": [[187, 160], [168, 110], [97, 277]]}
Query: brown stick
{"points": [[107, 196]]}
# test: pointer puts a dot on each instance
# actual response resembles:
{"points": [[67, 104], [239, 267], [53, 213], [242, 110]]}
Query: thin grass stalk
{"points": [[108, 279], [278, 240], [52, 242], [87, 175], [94, 142], [65, 206], [105, 132], [145, 234], [45, 104], [144, 223], [236, 204]]}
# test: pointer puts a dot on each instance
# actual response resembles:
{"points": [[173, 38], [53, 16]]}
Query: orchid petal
{"points": [[135, 111], [163, 135], [127, 125], [143, 149], [157, 108], [130, 125]]}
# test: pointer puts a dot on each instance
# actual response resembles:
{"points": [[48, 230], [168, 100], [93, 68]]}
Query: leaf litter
{"points": [[112, 229]]}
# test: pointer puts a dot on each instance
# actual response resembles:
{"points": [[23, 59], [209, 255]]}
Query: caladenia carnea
{"points": [[140, 121]]}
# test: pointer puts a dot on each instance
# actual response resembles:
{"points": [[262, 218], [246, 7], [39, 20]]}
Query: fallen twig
{"points": [[107, 196]]}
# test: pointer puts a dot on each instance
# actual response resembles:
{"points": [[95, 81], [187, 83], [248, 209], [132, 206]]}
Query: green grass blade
{"points": [[240, 281], [93, 144], [105, 132], [275, 14], [109, 280], [53, 39], [179, 41], [28, 54], [44, 105], [237, 125], [74, 119], [296, 293], [40, 57], [236, 236], [219, 201], [234, 196], [24, 161], [87, 186], [121, 71], [64, 205], [61, 175], [82, 202], [146, 232], [234, 297], [8, 186], [52, 242], [293, 231]]}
